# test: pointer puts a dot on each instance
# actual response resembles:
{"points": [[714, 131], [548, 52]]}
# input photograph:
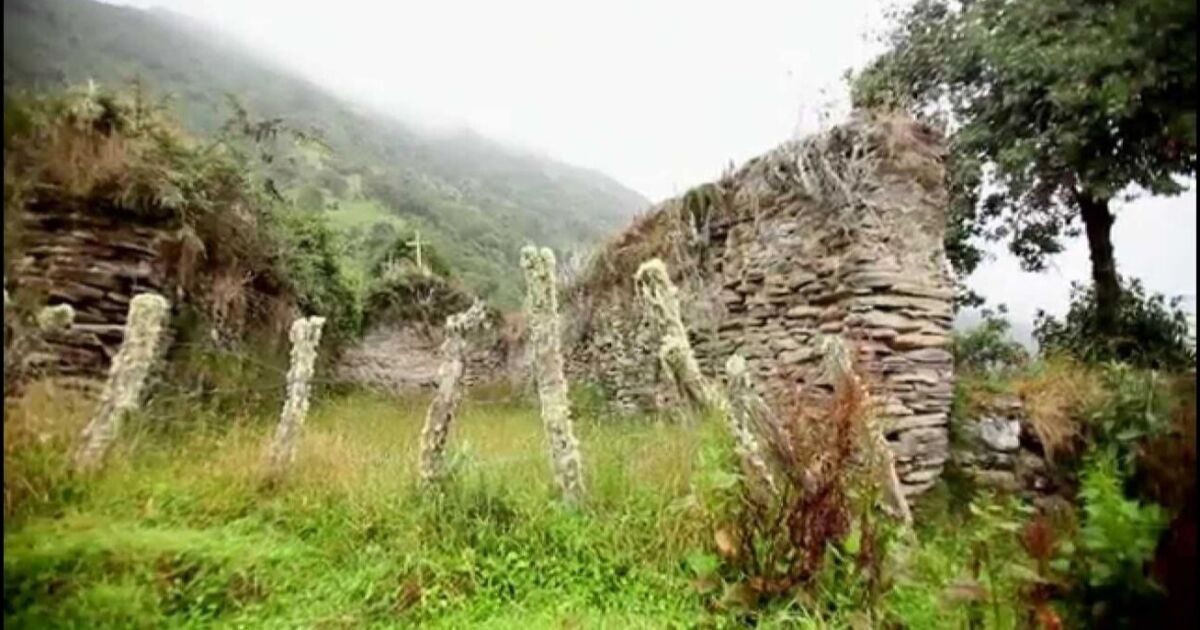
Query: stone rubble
{"points": [[998, 449]]}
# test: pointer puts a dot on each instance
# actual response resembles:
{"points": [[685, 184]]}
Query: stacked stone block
{"points": [[774, 262]]}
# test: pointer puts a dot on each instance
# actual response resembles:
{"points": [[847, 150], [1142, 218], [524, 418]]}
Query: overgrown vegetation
{"points": [[817, 520], [171, 537], [1056, 109], [1117, 435], [1148, 331], [243, 253], [179, 531], [475, 200], [237, 254], [988, 347]]}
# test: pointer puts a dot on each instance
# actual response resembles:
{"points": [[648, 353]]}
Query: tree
{"points": [[1055, 107]]}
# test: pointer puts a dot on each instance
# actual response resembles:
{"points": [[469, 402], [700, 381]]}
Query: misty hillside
{"points": [[476, 200]]}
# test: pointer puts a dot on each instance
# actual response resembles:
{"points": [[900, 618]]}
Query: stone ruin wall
{"points": [[841, 233], [97, 257], [96, 260], [403, 359]]}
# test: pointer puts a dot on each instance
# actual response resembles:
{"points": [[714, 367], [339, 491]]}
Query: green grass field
{"points": [[362, 213], [178, 532]]}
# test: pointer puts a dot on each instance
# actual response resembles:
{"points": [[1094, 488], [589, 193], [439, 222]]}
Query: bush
{"points": [[1116, 543], [989, 347], [1056, 392], [815, 536], [1135, 409], [401, 250], [1151, 333], [308, 251], [409, 296]]}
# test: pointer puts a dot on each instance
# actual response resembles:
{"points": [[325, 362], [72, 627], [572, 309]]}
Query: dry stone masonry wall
{"points": [[998, 448], [839, 233], [96, 260]]}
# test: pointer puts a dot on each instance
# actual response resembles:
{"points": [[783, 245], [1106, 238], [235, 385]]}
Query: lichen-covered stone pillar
{"points": [[542, 307], [22, 340], [445, 401], [839, 365], [55, 319], [126, 378], [675, 351], [744, 409], [305, 337]]}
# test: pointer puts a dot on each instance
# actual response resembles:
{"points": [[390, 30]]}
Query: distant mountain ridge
{"points": [[476, 199]]}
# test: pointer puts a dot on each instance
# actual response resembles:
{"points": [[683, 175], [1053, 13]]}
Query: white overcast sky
{"points": [[660, 94]]}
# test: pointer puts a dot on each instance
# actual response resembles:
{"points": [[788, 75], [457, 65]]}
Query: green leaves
{"points": [[1150, 331], [1119, 535], [703, 564], [1053, 96]]}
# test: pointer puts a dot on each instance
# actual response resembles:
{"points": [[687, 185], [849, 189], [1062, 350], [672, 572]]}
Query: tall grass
{"points": [[177, 531]]}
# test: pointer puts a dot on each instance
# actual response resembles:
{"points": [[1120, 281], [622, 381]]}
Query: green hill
{"points": [[475, 200]]}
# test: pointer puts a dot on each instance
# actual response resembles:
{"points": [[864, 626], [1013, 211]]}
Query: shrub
{"points": [[818, 524], [1056, 393], [1116, 543], [308, 250], [1134, 409], [1167, 462], [989, 347], [407, 295], [402, 249], [1152, 332]]}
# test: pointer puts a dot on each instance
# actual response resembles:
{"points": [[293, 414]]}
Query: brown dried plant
{"points": [[814, 443]]}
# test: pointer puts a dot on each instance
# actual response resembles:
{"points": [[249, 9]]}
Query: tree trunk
{"points": [[1098, 222]]}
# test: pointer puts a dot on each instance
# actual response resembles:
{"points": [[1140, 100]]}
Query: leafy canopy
{"points": [[1047, 100]]}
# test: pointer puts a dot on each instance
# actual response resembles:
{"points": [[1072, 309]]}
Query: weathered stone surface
{"points": [[917, 341], [907, 288], [924, 475], [1001, 479], [95, 262], [994, 454], [875, 279], [906, 423], [790, 257], [799, 356], [998, 434], [930, 355], [898, 302], [732, 297], [804, 311], [885, 319]]}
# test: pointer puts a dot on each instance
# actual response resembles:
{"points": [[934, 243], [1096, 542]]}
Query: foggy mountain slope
{"points": [[477, 200]]}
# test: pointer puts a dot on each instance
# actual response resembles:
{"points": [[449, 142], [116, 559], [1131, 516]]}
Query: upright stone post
{"points": [[679, 362], [838, 365], [305, 336], [122, 392], [445, 401], [742, 410], [675, 351], [542, 307], [55, 319]]}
